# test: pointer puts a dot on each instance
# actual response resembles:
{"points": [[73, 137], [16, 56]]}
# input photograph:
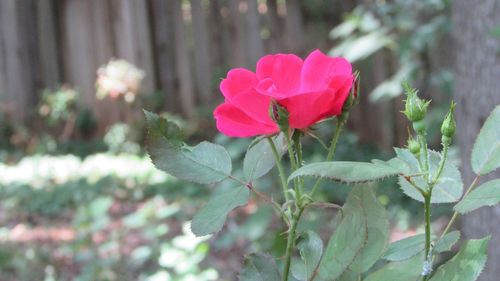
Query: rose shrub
{"points": [[309, 90]]}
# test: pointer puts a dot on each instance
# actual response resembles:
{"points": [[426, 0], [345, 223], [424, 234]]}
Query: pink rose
{"points": [[310, 90]]}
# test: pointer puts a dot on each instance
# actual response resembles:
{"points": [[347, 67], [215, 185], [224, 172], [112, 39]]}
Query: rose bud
{"points": [[415, 108], [449, 125]]}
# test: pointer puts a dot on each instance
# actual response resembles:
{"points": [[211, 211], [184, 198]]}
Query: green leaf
{"points": [[405, 248], [205, 163], [467, 264], [259, 267], [377, 224], [349, 275], [348, 239], [448, 188], [486, 151], [408, 270], [445, 243], [345, 171], [259, 159], [310, 247], [487, 194], [409, 247], [212, 216]]}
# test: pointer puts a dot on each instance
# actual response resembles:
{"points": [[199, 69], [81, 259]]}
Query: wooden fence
{"points": [[184, 47]]}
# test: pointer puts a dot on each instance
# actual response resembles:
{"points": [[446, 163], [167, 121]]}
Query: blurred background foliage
{"points": [[80, 200]]}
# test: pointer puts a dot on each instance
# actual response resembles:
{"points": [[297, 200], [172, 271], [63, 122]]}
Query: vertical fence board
{"points": [[48, 44], [201, 51], [163, 37], [185, 93]]}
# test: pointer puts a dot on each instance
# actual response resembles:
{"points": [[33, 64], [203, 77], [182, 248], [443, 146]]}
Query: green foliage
{"points": [[487, 194], [205, 163], [444, 244], [447, 189], [395, 27], [345, 171], [212, 216], [408, 270], [310, 247], [259, 159], [405, 248], [409, 247], [467, 264], [485, 156], [362, 220], [377, 224], [259, 267], [58, 105], [348, 238]]}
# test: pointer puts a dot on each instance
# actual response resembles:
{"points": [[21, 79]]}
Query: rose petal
{"points": [[319, 70], [308, 108], [239, 80], [284, 71], [233, 122], [254, 105]]}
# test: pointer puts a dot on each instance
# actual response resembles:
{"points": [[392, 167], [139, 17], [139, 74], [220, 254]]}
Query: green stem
{"points": [[455, 214], [425, 163], [291, 243], [333, 146], [427, 206], [441, 165], [428, 258], [298, 151], [281, 171]]}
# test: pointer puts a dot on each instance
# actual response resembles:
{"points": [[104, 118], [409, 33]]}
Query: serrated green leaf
{"points": [[212, 216], [345, 171], [485, 156], [408, 270], [205, 163], [405, 248], [487, 194], [310, 247], [467, 264], [259, 267], [348, 239], [259, 159], [448, 188], [377, 224], [409, 247], [444, 244]]}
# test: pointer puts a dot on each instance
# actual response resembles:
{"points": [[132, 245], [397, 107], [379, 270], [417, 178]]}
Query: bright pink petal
{"points": [[284, 72], [254, 105], [343, 85], [306, 109], [239, 80], [233, 122], [319, 70]]}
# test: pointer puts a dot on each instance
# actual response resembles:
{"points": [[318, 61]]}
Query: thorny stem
{"points": [[427, 206], [291, 242], [441, 165], [425, 163], [281, 171], [261, 195], [333, 146]]}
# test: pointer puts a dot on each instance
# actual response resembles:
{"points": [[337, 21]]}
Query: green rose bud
{"points": [[353, 98], [279, 114], [415, 108], [449, 125], [413, 146]]}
